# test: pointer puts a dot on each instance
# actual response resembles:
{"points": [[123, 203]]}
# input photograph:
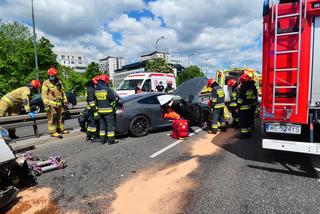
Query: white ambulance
{"points": [[148, 82]]}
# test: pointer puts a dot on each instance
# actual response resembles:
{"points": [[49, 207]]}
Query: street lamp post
{"points": [[206, 67], [35, 42], [189, 58], [162, 37]]}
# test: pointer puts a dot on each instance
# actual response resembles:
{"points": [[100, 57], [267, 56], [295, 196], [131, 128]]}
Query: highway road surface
{"points": [[157, 174]]}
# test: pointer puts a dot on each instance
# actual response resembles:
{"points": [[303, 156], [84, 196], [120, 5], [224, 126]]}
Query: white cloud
{"points": [[224, 31]]}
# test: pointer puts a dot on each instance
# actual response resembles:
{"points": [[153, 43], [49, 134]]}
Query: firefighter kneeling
{"points": [[105, 101], [54, 99], [217, 107], [11, 102], [246, 100]]}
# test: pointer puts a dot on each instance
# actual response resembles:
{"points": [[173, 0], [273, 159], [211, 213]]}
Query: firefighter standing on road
{"points": [[105, 99], [93, 116], [11, 102], [169, 89], [54, 99], [234, 104], [217, 107], [246, 100]]}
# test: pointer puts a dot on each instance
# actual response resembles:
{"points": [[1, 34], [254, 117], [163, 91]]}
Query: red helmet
{"points": [[52, 72], [35, 84], [232, 82], [210, 82], [95, 79], [169, 82], [245, 78], [104, 78]]}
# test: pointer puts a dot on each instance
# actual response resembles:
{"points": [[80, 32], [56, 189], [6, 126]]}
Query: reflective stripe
{"points": [[55, 103], [240, 101], [8, 101], [102, 134], [219, 105], [214, 126], [92, 103], [233, 104], [222, 124], [244, 131], [92, 129], [105, 110], [214, 99], [110, 134], [245, 107]]}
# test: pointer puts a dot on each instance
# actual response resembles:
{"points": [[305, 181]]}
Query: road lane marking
{"points": [[171, 145]]}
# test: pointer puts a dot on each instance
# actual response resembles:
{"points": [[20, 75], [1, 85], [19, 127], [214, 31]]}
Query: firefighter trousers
{"points": [[55, 120], [252, 117], [217, 119], [6, 109], [92, 125], [245, 121], [107, 129], [235, 115]]}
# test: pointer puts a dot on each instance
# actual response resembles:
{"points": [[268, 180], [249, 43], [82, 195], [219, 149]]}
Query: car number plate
{"points": [[285, 129]]}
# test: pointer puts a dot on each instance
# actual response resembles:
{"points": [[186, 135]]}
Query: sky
{"points": [[228, 33]]}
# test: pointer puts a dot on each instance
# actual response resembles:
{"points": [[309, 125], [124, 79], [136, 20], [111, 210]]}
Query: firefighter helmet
{"points": [[232, 82], [210, 82], [169, 82], [95, 80], [52, 72], [104, 78], [35, 84], [245, 78]]}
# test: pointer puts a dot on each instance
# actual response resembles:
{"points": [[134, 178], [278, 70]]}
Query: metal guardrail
{"points": [[41, 118]]}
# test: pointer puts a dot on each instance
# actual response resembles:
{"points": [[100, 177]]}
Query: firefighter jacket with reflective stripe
{"points": [[91, 98], [104, 97], [169, 90], [234, 97], [53, 93], [18, 97], [217, 100], [247, 96]]}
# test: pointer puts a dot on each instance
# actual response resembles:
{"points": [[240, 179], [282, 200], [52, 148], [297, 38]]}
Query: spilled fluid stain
{"points": [[162, 191], [35, 201]]}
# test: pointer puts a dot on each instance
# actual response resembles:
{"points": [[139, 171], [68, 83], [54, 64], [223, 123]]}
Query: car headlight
{"points": [[4, 133]]}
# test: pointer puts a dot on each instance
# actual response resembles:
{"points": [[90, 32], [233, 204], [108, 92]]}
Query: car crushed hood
{"points": [[191, 88]]}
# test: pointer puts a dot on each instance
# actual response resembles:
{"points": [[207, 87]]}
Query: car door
{"points": [[152, 104]]}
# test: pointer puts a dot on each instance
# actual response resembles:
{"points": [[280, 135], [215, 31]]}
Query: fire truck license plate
{"points": [[285, 129]]}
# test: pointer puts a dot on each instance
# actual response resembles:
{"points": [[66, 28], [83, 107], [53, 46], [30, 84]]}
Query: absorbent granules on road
{"points": [[35, 200], [164, 190]]}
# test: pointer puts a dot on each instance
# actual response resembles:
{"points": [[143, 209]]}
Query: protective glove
{"points": [[113, 104], [32, 115], [47, 108]]}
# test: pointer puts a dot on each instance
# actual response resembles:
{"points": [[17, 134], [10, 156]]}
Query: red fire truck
{"points": [[291, 76]]}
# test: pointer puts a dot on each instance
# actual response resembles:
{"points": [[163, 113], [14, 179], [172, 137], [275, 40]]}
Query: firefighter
{"points": [[11, 102], [169, 89], [245, 100], [217, 107], [160, 87], [93, 116], [233, 104], [54, 99], [83, 120], [105, 99]]}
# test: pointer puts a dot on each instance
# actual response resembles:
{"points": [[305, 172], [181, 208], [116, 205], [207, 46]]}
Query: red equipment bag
{"points": [[180, 129]]}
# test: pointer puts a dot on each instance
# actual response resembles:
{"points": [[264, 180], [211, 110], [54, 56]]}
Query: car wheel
{"points": [[139, 126], [36, 108], [69, 106], [206, 117]]}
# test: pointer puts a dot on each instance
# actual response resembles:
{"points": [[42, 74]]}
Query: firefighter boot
{"points": [[65, 132], [57, 135], [88, 138]]}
